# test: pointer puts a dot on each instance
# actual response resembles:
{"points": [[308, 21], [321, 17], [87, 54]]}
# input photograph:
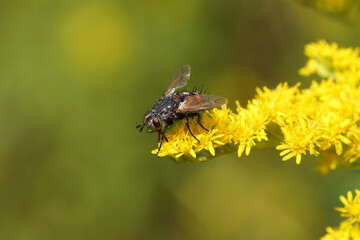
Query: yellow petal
{"points": [[192, 152], [287, 157], [241, 149], [344, 200], [298, 158], [285, 152], [338, 148], [248, 148], [211, 149]]}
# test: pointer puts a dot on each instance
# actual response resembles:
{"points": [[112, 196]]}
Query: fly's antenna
{"points": [[142, 126]]}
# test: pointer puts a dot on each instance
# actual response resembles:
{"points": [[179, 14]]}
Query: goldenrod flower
{"points": [[348, 229], [328, 161], [339, 7], [345, 231], [351, 209], [248, 126], [334, 5], [328, 59], [322, 118], [183, 147], [299, 136]]}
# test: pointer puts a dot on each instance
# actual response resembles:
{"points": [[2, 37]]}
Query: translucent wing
{"points": [[178, 81], [200, 102]]}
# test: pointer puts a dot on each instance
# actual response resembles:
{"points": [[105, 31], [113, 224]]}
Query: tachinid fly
{"points": [[174, 106]]}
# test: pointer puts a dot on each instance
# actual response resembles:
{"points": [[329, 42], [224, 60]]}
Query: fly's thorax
{"points": [[166, 107]]}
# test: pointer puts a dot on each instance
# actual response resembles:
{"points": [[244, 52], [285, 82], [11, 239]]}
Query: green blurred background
{"points": [[77, 76]]}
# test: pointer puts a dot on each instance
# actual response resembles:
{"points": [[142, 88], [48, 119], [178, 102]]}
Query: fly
{"points": [[174, 106]]}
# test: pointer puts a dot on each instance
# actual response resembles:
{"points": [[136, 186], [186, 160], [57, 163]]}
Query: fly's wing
{"points": [[178, 81], [198, 102]]}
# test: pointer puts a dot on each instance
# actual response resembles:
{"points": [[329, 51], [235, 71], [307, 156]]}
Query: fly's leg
{"points": [[188, 127], [161, 134], [198, 121]]}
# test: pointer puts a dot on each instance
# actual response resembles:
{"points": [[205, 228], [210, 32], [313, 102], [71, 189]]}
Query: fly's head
{"points": [[152, 121]]}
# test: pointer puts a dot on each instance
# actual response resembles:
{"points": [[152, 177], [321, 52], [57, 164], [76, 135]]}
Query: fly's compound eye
{"points": [[156, 123]]}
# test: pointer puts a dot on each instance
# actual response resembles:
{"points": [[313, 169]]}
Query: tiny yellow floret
{"points": [[351, 209]]}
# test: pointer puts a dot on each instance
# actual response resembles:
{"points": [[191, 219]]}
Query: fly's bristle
{"points": [[157, 100], [200, 90]]}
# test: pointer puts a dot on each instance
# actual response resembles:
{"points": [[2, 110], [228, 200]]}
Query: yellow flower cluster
{"points": [[225, 127], [327, 60], [334, 5], [325, 116], [331, 6], [348, 229]]}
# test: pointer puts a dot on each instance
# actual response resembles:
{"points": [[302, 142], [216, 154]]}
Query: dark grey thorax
{"points": [[166, 106]]}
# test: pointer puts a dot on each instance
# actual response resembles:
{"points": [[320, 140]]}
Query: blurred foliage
{"points": [[95, 35], [77, 76], [344, 10]]}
